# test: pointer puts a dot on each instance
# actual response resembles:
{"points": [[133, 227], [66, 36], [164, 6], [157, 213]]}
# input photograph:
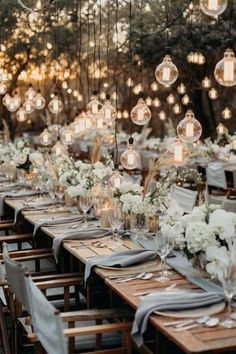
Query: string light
{"points": [[225, 70], [206, 82], [226, 113], [94, 106], [170, 99], [189, 129], [130, 158], [221, 129], [176, 109], [181, 89], [185, 100], [156, 102], [213, 94], [162, 115]]}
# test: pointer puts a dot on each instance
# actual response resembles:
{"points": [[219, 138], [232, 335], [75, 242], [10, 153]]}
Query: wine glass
{"points": [[51, 190], [116, 220], [227, 277], [60, 192], [164, 246], [85, 204]]}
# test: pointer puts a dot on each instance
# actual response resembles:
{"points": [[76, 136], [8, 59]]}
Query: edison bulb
{"points": [[181, 89], [213, 8], [59, 149], [88, 121], [206, 82], [213, 94], [221, 129], [45, 137], [6, 100], [21, 115], [130, 158], [39, 101], [94, 105], [190, 57], [185, 100], [189, 129], [12, 107], [156, 102], [166, 73], [226, 113], [178, 152], [170, 99], [28, 106], [176, 109], [55, 106], [225, 70], [201, 59], [17, 100], [3, 89], [76, 126], [30, 94], [115, 180], [162, 115], [154, 86], [140, 114], [108, 111], [67, 136]]}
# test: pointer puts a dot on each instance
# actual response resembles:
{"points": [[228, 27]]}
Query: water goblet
{"points": [[164, 246], [85, 204], [116, 220], [60, 192]]}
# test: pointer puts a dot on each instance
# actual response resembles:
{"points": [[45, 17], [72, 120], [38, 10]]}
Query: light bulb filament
{"points": [[213, 5], [189, 129], [228, 70], [166, 74]]}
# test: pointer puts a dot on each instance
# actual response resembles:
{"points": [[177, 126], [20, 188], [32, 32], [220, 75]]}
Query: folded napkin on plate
{"points": [[169, 301], [119, 259], [54, 220], [30, 206], [82, 234], [11, 194]]}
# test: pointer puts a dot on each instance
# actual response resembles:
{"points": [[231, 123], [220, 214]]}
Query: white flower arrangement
{"points": [[21, 152]]}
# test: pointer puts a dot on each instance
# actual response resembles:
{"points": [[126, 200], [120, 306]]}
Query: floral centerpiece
{"points": [[21, 154]]}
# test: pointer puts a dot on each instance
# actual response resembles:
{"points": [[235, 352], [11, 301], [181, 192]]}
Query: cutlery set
{"points": [[184, 325]]}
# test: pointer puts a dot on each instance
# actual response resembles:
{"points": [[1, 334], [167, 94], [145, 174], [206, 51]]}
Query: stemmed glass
{"points": [[51, 190], [116, 220], [85, 204], [60, 192], [164, 246], [227, 277]]}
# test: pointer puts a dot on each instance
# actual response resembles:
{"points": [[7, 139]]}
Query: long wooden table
{"points": [[198, 340]]}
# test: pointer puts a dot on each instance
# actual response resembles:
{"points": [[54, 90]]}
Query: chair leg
{"points": [[98, 343], [128, 342], [4, 333]]}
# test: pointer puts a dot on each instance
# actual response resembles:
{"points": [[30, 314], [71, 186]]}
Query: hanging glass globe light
{"points": [[226, 113], [3, 88], [59, 149], [162, 115], [148, 101], [55, 106], [29, 107], [166, 73], [67, 136], [225, 70], [221, 129], [190, 57], [94, 105], [12, 107], [154, 86], [4, 76], [201, 59], [213, 8], [206, 82], [39, 101], [21, 115], [88, 122], [108, 111], [140, 114], [6, 100], [185, 100], [189, 129], [156, 102], [130, 158], [213, 94], [75, 126], [176, 109], [116, 179], [170, 99], [45, 138], [17, 100], [181, 89], [30, 93]]}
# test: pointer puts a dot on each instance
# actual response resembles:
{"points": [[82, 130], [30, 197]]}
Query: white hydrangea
{"points": [[199, 236]]}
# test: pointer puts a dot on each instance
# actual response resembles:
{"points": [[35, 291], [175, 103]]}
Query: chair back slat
{"points": [[215, 175], [185, 197]]}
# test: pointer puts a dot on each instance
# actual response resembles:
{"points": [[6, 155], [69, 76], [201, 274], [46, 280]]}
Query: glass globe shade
{"points": [[29, 107], [148, 101], [221, 129], [185, 99], [201, 59], [67, 136], [108, 111], [226, 113], [88, 121], [39, 101], [176, 109], [99, 122], [21, 115], [154, 86], [189, 129], [59, 149], [130, 158], [213, 94], [17, 100], [115, 180], [181, 89], [162, 115], [4, 76], [140, 114], [30, 94], [55, 106], [75, 126], [156, 102], [170, 99], [166, 73], [94, 105], [12, 107], [206, 82], [195, 57], [3, 88], [45, 138], [213, 8], [225, 69], [6, 99]]}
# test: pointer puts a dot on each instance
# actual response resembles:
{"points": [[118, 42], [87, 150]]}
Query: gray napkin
{"points": [[29, 207], [11, 194], [119, 259], [54, 220], [82, 234], [161, 302]]}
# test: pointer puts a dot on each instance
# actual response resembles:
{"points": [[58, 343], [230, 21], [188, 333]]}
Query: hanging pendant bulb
{"points": [[21, 115], [181, 89], [162, 115], [108, 111], [226, 113], [3, 88], [213, 8], [176, 109], [67, 136], [189, 129], [88, 121], [12, 105], [156, 102], [59, 149], [130, 158], [206, 82], [6, 100], [116, 179], [17, 100], [4, 76], [94, 105], [170, 99], [221, 129], [76, 126], [166, 73], [39, 101], [29, 107], [178, 152], [30, 93], [185, 100], [225, 70], [45, 138], [213, 94], [148, 101], [140, 114], [55, 106], [154, 86]]}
